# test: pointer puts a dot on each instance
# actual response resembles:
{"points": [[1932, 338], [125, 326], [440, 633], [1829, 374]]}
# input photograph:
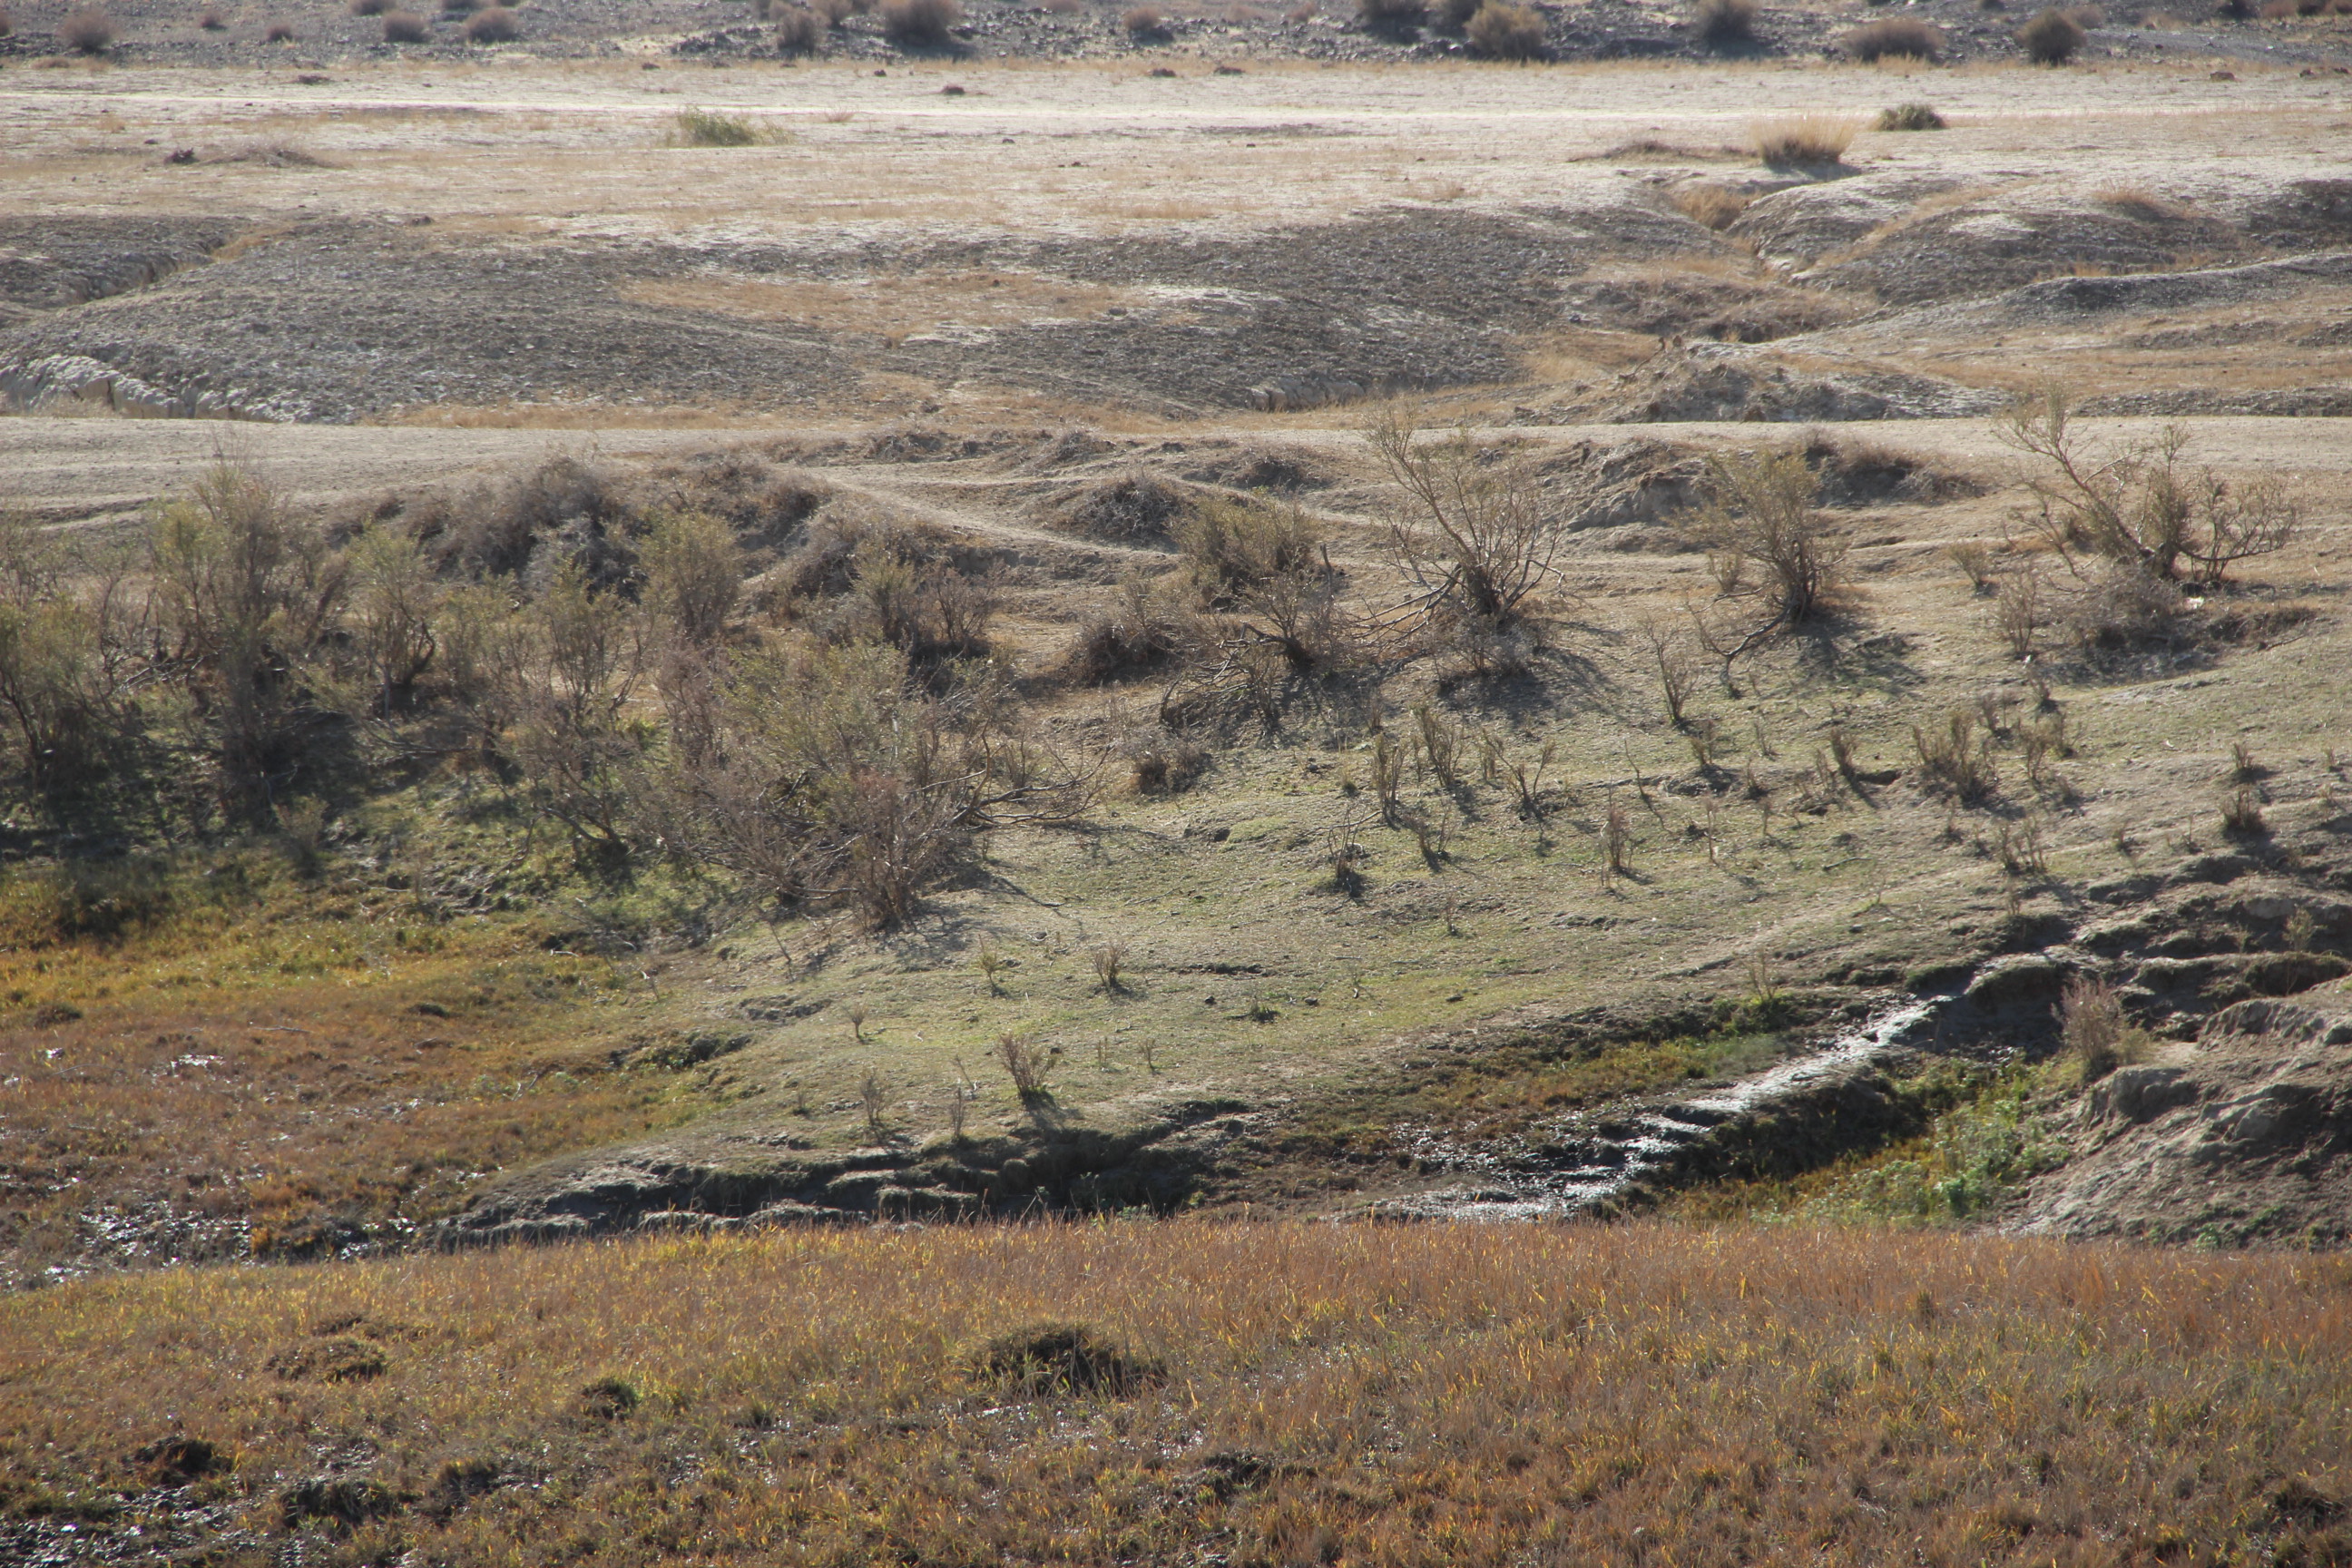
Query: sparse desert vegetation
{"points": [[761, 809]]}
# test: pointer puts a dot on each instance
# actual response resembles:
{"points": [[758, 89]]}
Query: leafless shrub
{"points": [[87, 32], [1975, 558], [2017, 608], [1956, 761], [1392, 18], [1388, 776], [1168, 765], [1440, 746], [1498, 31], [405, 27], [2140, 506], [920, 24], [1106, 961], [2244, 768], [2119, 605], [2098, 1037], [1138, 632], [1026, 1064], [798, 31], [1803, 141], [1889, 37], [2052, 38], [1725, 23], [1474, 536], [1670, 654], [1616, 841], [494, 25], [2019, 849], [2241, 815], [1761, 508]]}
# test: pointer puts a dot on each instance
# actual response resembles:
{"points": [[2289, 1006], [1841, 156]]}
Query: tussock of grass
{"points": [[1803, 141], [1377, 1396]]}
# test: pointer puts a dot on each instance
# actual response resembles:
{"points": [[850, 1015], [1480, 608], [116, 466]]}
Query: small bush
{"points": [[370, 8], [1138, 635], [2052, 38], [1142, 23], [7, 26], [278, 32], [1394, 18], [799, 31], [405, 27], [1136, 508], [1025, 1063], [1761, 508], [85, 901], [1910, 117], [1803, 141], [708, 128], [920, 24], [498, 25], [2241, 815], [1233, 545], [1064, 1358], [1726, 23], [609, 1399], [90, 32], [1956, 761], [1454, 15], [213, 22], [2122, 605], [1891, 38], [2098, 1037], [1168, 765], [1502, 32]]}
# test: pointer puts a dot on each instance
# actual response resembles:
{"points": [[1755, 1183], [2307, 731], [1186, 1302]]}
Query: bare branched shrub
{"points": [[1133, 508], [1761, 508], [693, 572], [2139, 506], [2017, 608], [1394, 18], [1956, 761], [1891, 36], [920, 24], [87, 32], [1141, 631], [1975, 558], [1167, 764], [2121, 604], [405, 27], [1026, 1064], [1670, 656], [799, 31], [1725, 23], [1473, 535], [1498, 31], [1803, 141], [1616, 841], [2053, 38], [2241, 815], [1107, 961]]}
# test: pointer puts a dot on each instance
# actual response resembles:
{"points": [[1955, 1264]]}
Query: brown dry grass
{"points": [[262, 1062], [1441, 1396]]}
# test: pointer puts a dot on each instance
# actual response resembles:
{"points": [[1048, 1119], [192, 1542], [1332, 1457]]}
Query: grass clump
{"points": [[709, 127], [2098, 1037], [1803, 141], [799, 31], [1910, 117], [2053, 38], [405, 27], [1503, 32], [1895, 38], [1064, 1358]]}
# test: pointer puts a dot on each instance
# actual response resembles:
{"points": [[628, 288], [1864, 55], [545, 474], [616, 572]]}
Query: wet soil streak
{"points": [[1593, 1163]]}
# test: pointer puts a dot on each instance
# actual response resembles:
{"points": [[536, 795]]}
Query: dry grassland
{"points": [[1289, 1394]]}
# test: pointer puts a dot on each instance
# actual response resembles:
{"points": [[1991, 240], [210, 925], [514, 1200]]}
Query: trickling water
{"points": [[1651, 1140]]}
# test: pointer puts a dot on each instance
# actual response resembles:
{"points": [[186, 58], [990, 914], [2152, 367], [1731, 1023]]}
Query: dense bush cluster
{"points": [[579, 643]]}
